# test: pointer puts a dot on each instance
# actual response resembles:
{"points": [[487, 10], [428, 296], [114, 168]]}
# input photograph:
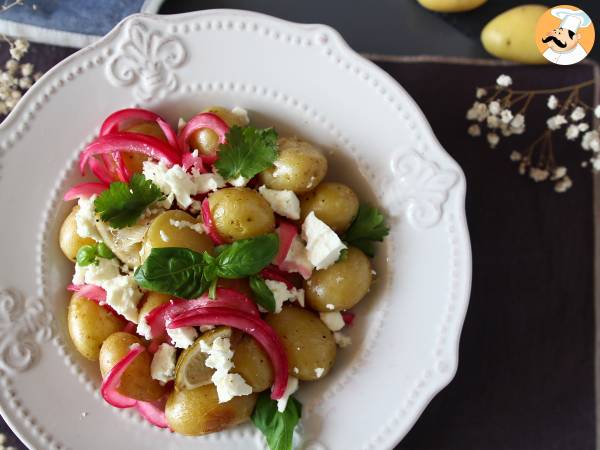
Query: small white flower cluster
{"points": [[558, 175], [16, 77], [3, 441]]}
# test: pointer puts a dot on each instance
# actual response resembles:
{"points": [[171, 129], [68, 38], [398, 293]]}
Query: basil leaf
{"points": [[247, 257], [86, 255], [262, 294], [277, 427], [174, 271]]}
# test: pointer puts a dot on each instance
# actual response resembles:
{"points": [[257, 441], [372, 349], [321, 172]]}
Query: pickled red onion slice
{"points": [[209, 223], [89, 291], [348, 317], [99, 169], [84, 190], [118, 120], [199, 121], [254, 326], [273, 273], [286, 232], [153, 412], [111, 383]]}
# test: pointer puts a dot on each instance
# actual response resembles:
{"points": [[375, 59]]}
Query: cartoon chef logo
{"points": [[565, 35]]}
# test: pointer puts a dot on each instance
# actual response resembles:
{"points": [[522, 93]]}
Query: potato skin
{"points": [[198, 411], [300, 167], [240, 213], [136, 381], [334, 203], [177, 237], [90, 324], [253, 364], [308, 343], [451, 6], [153, 299], [228, 117], [342, 284], [69, 241], [135, 161]]}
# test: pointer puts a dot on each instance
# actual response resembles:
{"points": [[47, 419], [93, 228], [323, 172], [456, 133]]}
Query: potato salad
{"points": [[215, 269]]}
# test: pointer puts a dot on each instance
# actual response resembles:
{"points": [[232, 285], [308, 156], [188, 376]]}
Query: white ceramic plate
{"points": [[305, 80]]}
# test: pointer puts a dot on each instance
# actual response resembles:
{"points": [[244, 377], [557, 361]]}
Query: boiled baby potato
{"points": [[133, 160], [340, 286], [136, 381], [227, 115], [253, 364], [198, 411], [163, 233], [153, 300], [70, 242], [334, 203], [300, 167], [240, 213], [90, 324], [308, 343], [511, 35], [451, 6]]}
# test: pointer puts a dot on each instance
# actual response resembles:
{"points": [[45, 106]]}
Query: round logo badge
{"points": [[565, 35]]}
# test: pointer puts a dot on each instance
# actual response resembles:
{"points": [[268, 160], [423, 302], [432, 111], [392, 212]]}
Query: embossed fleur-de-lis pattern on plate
{"points": [[418, 189], [147, 59], [24, 324]]}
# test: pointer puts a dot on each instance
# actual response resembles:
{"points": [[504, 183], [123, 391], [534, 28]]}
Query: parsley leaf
{"points": [[122, 204], [247, 152], [277, 427], [367, 227], [262, 294]]}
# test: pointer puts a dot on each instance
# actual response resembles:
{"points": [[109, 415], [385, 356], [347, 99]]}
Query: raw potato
{"points": [[153, 299], [342, 284], [70, 242], [300, 167], [240, 213], [134, 161], [511, 35], [308, 343], [175, 237], [90, 324], [334, 203], [253, 364], [136, 382], [198, 411], [451, 6]]}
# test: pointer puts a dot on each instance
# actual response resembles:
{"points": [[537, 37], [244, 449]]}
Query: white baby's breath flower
{"points": [[591, 141], [18, 48], [504, 80], [522, 168], [27, 69], [515, 156], [555, 122], [506, 115], [518, 121], [563, 185], [558, 173], [493, 139], [25, 83], [11, 66], [494, 108], [474, 130], [583, 126], [493, 122], [578, 114], [480, 93], [505, 130], [537, 174], [572, 132], [477, 112], [552, 102], [597, 111], [595, 163]]}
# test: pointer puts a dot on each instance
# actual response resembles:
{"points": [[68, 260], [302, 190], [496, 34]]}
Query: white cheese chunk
{"points": [[319, 371], [143, 329], [181, 224], [329, 306], [281, 293], [228, 385], [341, 339], [239, 181], [323, 245], [241, 114], [182, 337], [163, 364], [296, 259], [179, 185], [333, 320], [292, 386], [285, 203], [85, 219], [122, 292]]}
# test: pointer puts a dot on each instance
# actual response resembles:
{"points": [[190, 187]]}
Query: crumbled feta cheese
{"points": [[292, 386], [228, 385], [322, 243], [319, 371], [329, 306], [285, 203], [122, 292], [281, 169], [163, 364], [182, 337], [181, 224], [296, 259], [296, 370], [85, 219], [204, 328], [341, 339], [333, 320], [281, 293], [179, 185], [164, 236], [239, 181], [242, 114], [143, 329]]}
